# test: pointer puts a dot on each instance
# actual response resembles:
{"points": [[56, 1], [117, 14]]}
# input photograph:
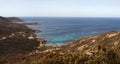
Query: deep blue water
{"points": [[59, 31]]}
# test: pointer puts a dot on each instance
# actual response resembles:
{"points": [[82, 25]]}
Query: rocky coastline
{"points": [[19, 45], [16, 38]]}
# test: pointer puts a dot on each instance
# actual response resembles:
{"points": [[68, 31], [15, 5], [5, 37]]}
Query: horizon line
{"points": [[67, 16]]}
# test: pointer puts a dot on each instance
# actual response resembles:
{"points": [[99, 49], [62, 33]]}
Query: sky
{"points": [[60, 8]]}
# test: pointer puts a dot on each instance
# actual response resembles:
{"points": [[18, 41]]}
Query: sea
{"points": [[63, 30]]}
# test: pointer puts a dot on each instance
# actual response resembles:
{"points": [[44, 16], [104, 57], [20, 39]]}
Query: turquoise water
{"points": [[59, 31]]}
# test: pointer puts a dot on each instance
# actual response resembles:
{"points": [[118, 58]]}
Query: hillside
{"points": [[16, 39], [109, 40], [100, 49], [20, 45], [15, 19]]}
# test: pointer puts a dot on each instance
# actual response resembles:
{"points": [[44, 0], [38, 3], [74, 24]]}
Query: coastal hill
{"points": [[19, 45], [10, 19], [16, 39], [7, 26], [99, 49], [3, 20], [93, 44], [15, 19]]}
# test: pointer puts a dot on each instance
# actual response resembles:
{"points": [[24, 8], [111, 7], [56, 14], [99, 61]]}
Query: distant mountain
{"points": [[4, 20], [15, 19], [7, 26]]}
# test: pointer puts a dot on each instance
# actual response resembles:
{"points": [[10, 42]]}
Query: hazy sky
{"points": [[59, 8]]}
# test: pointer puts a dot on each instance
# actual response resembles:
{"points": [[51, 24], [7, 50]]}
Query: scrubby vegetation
{"points": [[19, 45], [101, 57], [16, 41], [100, 49]]}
